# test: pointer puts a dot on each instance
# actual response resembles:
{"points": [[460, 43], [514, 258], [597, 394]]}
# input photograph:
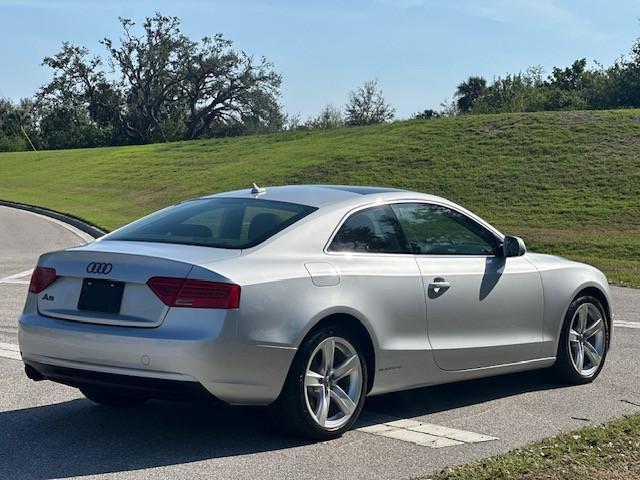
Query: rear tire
{"points": [[584, 342], [112, 397], [323, 397]]}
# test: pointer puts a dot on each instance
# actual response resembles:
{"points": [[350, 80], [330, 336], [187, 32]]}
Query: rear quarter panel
{"points": [[280, 303]]}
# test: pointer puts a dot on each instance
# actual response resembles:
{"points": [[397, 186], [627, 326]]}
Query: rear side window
{"points": [[216, 222], [372, 230]]}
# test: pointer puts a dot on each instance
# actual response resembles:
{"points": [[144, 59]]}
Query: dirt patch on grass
{"points": [[579, 117]]}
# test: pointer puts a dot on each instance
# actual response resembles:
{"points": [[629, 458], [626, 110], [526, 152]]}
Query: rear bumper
{"points": [[186, 354], [144, 386]]}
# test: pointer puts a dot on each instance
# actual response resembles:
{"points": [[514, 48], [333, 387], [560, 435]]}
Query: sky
{"points": [[418, 50]]}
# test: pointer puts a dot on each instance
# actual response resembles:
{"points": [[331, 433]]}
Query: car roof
{"points": [[318, 195]]}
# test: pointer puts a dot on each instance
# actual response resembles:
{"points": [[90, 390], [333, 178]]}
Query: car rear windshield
{"points": [[215, 222]]}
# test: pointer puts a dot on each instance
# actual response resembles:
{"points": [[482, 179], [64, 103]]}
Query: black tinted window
{"points": [[215, 222], [434, 229], [374, 230]]}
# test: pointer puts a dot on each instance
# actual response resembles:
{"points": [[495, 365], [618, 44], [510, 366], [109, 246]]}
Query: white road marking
{"points": [[404, 423], [452, 433], [10, 351], [378, 428], [418, 438], [10, 355], [17, 278], [9, 346], [423, 434], [17, 275], [623, 324]]}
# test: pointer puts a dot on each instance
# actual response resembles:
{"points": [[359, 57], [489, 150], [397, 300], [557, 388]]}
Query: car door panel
{"points": [[491, 314], [483, 309]]}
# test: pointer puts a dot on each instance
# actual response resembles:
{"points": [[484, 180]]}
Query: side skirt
{"points": [[442, 377]]}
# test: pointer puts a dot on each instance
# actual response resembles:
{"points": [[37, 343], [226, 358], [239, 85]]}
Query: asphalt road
{"points": [[23, 237], [50, 431]]}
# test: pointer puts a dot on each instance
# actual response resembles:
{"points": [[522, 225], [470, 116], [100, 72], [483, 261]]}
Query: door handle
{"points": [[438, 284]]}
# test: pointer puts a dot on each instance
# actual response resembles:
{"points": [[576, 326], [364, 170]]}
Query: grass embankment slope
{"points": [[568, 182], [604, 452]]}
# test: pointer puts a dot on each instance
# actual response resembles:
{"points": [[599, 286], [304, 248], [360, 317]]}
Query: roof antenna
{"points": [[256, 190]]}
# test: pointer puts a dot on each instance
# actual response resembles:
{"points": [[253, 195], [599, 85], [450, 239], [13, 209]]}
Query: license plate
{"points": [[100, 295]]}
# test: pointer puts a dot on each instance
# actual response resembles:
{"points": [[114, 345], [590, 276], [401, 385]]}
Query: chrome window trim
{"points": [[495, 232]]}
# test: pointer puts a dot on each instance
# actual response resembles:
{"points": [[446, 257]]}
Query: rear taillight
{"points": [[41, 278], [179, 292]]}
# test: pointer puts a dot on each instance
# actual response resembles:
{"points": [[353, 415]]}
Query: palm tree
{"points": [[470, 91]]}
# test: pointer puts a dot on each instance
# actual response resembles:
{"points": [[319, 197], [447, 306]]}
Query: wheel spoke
{"points": [[349, 366], [328, 350], [323, 407], [583, 313], [342, 400], [592, 353], [593, 329], [580, 358], [574, 336], [312, 379]]}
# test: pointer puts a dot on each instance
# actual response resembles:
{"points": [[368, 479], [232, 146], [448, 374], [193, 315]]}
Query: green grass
{"points": [[568, 182], [606, 452]]}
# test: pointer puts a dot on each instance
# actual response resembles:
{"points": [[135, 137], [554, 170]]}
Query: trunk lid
{"points": [[105, 282]]}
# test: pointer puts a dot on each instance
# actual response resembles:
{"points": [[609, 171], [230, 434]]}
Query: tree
{"points": [[570, 78], [79, 107], [79, 81], [150, 73], [223, 86], [513, 93], [167, 87], [201, 87], [621, 84], [367, 106], [292, 121], [329, 117], [448, 108], [427, 114], [15, 122], [469, 91]]}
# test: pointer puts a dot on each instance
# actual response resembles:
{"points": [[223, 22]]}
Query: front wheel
{"points": [[583, 343], [326, 387]]}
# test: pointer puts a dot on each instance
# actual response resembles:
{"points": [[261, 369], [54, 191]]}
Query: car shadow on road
{"points": [[439, 398], [77, 437]]}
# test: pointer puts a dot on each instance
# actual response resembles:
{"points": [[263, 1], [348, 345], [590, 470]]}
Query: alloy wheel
{"points": [[333, 383], [587, 337]]}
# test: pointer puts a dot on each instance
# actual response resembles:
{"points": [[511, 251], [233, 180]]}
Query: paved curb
{"points": [[86, 227]]}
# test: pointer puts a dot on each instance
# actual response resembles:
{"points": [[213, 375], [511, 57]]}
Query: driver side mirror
{"points": [[513, 247]]}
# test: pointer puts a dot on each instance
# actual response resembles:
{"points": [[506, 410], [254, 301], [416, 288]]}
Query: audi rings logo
{"points": [[95, 267]]}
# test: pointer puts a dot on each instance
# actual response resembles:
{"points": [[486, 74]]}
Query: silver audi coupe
{"points": [[308, 298]]}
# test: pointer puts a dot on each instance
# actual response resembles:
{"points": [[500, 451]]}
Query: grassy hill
{"points": [[568, 182]]}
